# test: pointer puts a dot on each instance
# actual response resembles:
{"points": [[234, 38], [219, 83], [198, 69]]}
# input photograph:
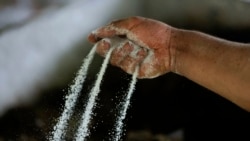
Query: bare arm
{"points": [[219, 65]]}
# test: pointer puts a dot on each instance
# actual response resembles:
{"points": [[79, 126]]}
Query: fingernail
{"points": [[142, 52], [95, 31], [129, 46], [107, 40]]}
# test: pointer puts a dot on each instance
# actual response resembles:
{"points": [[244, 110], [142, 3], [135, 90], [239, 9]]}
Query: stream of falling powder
{"points": [[123, 111], [74, 91], [83, 131]]}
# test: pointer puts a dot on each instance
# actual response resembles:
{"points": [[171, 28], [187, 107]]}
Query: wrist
{"points": [[177, 43]]}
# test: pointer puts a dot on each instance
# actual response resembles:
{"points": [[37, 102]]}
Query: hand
{"points": [[146, 43]]}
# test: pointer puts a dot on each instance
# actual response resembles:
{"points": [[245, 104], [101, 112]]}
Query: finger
{"points": [[103, 32], [149, 67], [130, 62], [120, 53], [115, 28], [102, 47], [127, 23]]}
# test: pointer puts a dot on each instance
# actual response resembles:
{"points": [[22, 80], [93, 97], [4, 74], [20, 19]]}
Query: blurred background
{"points": [[43, 43]]}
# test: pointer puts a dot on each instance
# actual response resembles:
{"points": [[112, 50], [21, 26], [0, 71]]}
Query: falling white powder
{"points": [[83, 130], [123, 111], [74, 91]]}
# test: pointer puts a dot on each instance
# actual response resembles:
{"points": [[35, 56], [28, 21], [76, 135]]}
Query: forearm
{"points": [[219, 65]]}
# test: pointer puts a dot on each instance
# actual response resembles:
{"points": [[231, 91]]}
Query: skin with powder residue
{"points": [[217, 64], [158, 61]]}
